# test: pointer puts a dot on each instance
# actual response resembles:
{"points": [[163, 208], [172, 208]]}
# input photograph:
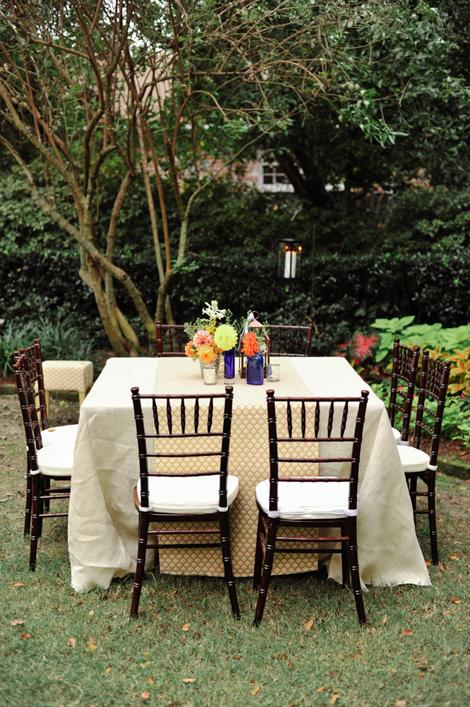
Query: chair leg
{"points": [[81, 397], [432, 518], [258, 554], [345, 565], [35, 527], [139, 570], [28, 502], [47, 490], [266, 570], [48, 401], [43, 485], [412, 487], [224, 525], [355, 576]]}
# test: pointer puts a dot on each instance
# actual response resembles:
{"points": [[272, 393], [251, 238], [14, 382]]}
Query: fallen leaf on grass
{"points": [[149, 680], [334, 698], [25, 636], [72, 642], [400, 703], [255, 690], [187, 680], [385, 621], [407, 632], [17, 622], [91, 644], [185, 627], [322, 689], [145, 695], [18, 584], [108, 669], [454, 557], [455, 600], [308, 625], [442, 566]]}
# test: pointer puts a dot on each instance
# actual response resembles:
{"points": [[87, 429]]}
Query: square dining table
{"points": [[102, 532]]}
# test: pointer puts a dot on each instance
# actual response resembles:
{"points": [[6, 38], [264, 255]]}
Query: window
{"points": [[272, 178]]}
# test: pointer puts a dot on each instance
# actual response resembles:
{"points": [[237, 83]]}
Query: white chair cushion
{"points": [[396, 435], [188, 494], [412, 459], [56, 460], [64, 435], [299, 500]]}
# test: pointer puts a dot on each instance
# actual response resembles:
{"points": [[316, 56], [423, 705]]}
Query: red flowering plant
{"points": [[360, 350]]}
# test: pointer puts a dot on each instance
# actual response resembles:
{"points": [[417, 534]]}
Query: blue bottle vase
{"points": [[255, 369], [229, 364]]}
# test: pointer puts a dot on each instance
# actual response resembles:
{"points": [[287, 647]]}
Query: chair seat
{"points": [[64, 435], [56, 460], [187, 494], [413, 460], [307, 501], [396, 435]]}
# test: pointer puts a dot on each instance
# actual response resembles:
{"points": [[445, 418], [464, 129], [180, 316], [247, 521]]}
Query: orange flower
{"points": [[207, 354], [189, 350], [250, 344]]}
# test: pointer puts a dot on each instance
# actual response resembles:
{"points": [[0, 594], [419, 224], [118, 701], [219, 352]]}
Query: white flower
{"points": [[212, 310]]}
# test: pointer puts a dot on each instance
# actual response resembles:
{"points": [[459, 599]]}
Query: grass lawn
{"points": [[58, 647]]}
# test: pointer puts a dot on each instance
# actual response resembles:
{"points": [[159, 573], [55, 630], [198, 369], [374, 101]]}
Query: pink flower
{"points": [[202, 338]]}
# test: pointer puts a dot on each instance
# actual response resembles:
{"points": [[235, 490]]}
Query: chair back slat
{"points": [[196, 415], [210, 414], [161, 438], [170, 339], [169, 417], [349, 414], [36, 378], [289, 418], [287, 340], [331, 414], [433, 384], [404, 371], [317, 418], [156, 421], [303, 418], [28, 410], [344, 418]]}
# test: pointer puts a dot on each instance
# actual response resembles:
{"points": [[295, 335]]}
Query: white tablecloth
{"points": [[102, 517]]}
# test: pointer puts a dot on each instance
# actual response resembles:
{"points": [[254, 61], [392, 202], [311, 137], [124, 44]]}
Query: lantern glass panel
{"points": [[289, 256]]}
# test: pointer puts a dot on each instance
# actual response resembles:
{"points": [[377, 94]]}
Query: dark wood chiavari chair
{"points": [[163, 497], [418, 463], [286, 340], [404, 369], [66, 433], [310, 501], [46, 463], [171, 339]]}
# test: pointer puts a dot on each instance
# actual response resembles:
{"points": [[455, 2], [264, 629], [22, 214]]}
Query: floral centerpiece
{"points": [[209, 337]]}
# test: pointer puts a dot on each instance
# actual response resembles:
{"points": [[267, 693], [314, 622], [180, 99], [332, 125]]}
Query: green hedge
{"points": [[343, 292]]}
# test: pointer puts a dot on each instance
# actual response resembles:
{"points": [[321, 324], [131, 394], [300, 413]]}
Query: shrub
{"points": [[60, 339]]}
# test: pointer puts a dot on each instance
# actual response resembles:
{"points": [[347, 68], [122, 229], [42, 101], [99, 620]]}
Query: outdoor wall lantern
{"points": [[288, 264]]}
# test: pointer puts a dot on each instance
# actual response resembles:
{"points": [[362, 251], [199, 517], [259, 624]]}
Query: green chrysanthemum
{"points": [[225, 337]]}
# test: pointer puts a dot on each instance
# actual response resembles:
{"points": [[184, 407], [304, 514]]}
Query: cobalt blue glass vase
{"points": [[229, 364], [255, 369]]}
